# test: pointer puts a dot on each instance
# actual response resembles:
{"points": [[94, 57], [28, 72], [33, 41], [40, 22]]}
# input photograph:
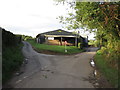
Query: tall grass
{"points": [[109, 72], [55, 48], [11, 60]]}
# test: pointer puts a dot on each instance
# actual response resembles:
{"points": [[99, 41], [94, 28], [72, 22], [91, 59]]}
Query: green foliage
{"points": [[111, 55], [103, 19], [25, 37], [109, 72], [91, 43], [103, 50], [55, 48], [96, 15], [12, 56], [79, 45], [9, 39]]}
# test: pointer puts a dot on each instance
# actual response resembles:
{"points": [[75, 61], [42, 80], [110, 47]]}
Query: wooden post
{"points": [[76, 41], [46, 41], [65, 46], [61, 41]]}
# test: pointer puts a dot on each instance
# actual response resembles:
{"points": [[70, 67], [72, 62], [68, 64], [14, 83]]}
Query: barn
{"points": [[58, 37]]}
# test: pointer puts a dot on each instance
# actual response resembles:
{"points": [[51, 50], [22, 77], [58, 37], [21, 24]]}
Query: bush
{"points": [[109, 72], [12, 56], [9, 39], [111, 56], [11, 61]]}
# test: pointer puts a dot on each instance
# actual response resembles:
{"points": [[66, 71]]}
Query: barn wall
{"points": [[41, 39], [70, 40], [57, 41]]}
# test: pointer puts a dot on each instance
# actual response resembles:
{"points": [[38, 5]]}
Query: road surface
{"points": [[53, 71]]}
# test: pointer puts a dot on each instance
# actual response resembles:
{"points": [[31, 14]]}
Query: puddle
{"points": [[92, 63], [19, 73], [25, 61], [96, 78], [93, 78], [95, 73], [45, 70]]}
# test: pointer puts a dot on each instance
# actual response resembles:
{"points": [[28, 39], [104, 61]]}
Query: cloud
{"points": [[31, 17], [24, 16]]}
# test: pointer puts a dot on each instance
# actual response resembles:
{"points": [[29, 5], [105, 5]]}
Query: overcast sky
{"points": [[31, 17]]}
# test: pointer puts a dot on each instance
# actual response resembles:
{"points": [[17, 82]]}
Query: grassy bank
{"points": [[55, 48], [12, 58], [109, 72]]}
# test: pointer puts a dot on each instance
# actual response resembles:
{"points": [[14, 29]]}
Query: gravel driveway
{"points": [[53, 71]]}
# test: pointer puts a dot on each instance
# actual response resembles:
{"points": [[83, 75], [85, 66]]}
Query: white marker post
{"points": [[65, 46]]}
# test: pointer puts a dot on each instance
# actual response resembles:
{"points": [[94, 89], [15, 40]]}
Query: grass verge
{"points": [[110, 73], [55, 48], [11, 60]]}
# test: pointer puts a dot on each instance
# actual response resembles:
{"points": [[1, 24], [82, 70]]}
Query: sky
{"points": [[31, 17]]}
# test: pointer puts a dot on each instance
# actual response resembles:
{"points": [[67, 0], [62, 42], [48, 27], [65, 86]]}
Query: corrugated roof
{"points": [[59, 32]]}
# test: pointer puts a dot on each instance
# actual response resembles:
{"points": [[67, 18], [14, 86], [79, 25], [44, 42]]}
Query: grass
{"points": [[11, 60], [110, 73], [55, 48]]}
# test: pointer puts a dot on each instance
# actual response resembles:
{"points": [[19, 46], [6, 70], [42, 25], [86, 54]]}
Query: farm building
{"points": [[58, 37]]}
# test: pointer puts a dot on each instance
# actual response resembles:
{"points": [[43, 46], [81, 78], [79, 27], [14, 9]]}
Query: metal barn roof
{"points": [[58, 32]]}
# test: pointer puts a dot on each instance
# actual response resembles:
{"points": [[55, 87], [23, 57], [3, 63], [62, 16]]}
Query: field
{"points": [[55, 48]]}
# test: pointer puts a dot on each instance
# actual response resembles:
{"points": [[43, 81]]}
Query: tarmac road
{"points": [[53, 71]]}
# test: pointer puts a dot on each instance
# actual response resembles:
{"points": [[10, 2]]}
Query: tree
{"points": [[101, 18]]}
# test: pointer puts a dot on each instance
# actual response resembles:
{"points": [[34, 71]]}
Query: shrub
{"points": [[12, 56]]}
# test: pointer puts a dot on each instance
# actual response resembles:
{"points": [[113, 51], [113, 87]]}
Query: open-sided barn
{"points": [[58, 37]]}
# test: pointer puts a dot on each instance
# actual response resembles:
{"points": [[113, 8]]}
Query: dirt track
{"points": [[54, 71]]}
